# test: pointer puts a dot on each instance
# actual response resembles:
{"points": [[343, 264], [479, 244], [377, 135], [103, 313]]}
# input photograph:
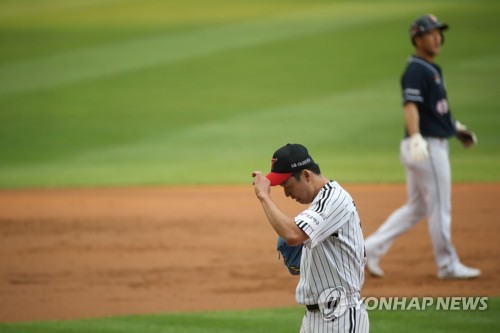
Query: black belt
{"points": [[312, 307]]}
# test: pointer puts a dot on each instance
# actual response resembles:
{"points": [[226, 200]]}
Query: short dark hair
{"points": [[314, 168]]}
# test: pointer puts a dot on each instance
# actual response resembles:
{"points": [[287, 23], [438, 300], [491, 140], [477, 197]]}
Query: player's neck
{"points": [[425, 55], [319, 182]]}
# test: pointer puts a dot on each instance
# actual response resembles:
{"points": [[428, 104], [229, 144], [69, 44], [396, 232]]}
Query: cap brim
{"points": [[278, 178], [443, 26]]}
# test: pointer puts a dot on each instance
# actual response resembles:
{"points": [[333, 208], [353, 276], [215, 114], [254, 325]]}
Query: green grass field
{"points": [[115, 93], [271, 321], [150, 92]]}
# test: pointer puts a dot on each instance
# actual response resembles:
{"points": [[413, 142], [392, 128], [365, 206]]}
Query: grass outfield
{"points": [[272, 321], [106, 93]]}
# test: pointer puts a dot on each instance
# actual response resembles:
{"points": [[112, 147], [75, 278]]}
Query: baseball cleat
{"points": [[459, 271], [372, 263]]}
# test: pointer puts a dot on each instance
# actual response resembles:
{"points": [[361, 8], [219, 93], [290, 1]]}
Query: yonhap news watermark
{"points": [[452, 303]]}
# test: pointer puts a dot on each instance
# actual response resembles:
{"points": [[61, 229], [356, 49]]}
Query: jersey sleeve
{"points": [[412, 84], [327, 214]]}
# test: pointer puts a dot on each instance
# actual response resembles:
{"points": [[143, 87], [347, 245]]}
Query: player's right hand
{"points": [[261, 184], [419, 149]]}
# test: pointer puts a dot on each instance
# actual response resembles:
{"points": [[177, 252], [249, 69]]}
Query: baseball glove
{"points": [[291, 256], [465, 136]]}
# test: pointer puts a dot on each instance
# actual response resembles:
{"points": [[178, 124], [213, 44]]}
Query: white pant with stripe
{"points": [[354, 319]]}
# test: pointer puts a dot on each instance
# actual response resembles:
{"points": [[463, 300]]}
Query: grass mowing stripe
{"points": [[104, 61], [29, 9], [245, 130]]}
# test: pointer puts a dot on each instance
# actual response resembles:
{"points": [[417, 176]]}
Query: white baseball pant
{"points": [[429, 194]]}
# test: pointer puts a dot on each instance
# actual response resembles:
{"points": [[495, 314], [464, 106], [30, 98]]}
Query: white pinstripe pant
{"points": [[354, 319]]}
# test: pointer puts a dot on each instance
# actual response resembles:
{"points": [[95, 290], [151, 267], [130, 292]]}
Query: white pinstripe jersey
{"points": [[334, 254]]}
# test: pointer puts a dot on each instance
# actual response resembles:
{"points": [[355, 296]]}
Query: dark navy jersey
{"points": [[422, 83]]}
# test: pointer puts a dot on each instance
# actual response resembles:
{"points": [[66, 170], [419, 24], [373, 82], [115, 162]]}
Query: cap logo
{"points": [[299, 164], [272, 162], [433, 18]]}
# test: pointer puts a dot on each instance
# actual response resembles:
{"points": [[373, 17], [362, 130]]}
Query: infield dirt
{"points": [[76, 253]]}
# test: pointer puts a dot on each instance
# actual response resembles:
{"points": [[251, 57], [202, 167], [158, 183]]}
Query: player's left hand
{"points": [[464, 135], [261, 184]]}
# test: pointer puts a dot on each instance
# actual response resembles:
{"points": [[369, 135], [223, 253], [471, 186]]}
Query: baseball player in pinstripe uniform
{"points": [[424, 153], [329, 230]]}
